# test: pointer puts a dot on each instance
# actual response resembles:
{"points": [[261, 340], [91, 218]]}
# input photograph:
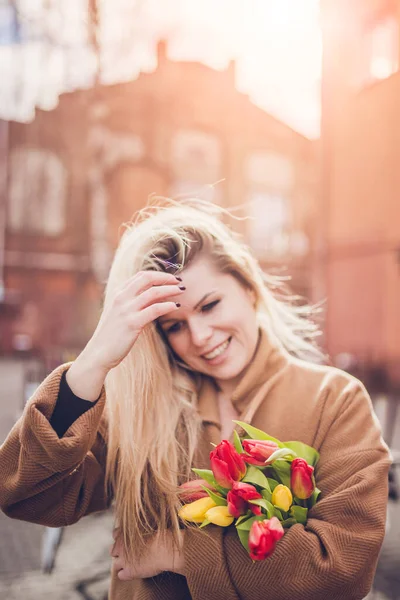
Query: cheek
{"points": [[178, 344]]}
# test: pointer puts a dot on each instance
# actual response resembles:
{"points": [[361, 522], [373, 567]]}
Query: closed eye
{"points": [[209, 306], [178, 325], [174, 328]]}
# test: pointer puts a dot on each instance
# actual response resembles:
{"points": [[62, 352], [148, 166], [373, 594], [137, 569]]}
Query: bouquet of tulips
{"points": [[260, 484]]}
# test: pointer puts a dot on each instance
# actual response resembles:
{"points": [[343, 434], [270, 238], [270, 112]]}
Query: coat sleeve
{"points": [[335, 554], [50, 480]]}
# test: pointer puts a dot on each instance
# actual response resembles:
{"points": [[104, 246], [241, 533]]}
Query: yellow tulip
{"points": [[220, 515], [196, 511], [282, 497]]}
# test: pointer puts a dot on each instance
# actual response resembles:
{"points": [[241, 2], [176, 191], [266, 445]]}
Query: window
{"points": [[196, 156], [270, 169], [380, 50], [268, 230], [38, 181], [270, 181]]}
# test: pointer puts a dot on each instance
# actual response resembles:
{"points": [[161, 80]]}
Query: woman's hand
{"points": [[144, 298], [161, 556]]}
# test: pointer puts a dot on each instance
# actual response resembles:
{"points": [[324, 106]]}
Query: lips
{"points": [[217, 350]]}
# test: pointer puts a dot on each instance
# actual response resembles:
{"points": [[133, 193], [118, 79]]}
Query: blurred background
{"points": [[290, 107]]}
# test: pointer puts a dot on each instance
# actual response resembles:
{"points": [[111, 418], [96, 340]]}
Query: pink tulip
{"points": [[302, 479], [238, 499], [263, 537], [193, 490], [259, 451], [227, 464]]}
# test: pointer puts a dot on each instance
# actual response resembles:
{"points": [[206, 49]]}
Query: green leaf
{"points": [[246, 525], [299, 513], [283, 513], [256, 477], [272, 483], [304, 451], [219, 500], [278, 513], [282, 471], [259, 502], [243, 518], [266, 494], [288, 523], [204, 523], [281, 453], [257, 434], [236, 442], [312, 500], [244, 538], [266, 505], [207, 475]]}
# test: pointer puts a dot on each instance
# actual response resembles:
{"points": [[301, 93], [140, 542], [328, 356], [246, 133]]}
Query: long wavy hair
{"points": [[153, 427]]}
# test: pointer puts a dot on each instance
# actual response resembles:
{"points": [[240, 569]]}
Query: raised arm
{"points": [[52, 476], [335, 555]]}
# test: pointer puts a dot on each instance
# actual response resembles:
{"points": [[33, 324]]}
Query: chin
{"points": [[230, 371]]}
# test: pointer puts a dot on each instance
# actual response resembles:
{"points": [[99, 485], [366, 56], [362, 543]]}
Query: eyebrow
{"points": [[194, 308]]}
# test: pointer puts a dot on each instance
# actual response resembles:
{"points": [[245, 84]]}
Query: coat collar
{"points": [[268, 360]]}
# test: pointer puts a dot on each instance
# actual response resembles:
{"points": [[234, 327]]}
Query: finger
{"points": [[153, 312], [146, 279], [157, 294]]}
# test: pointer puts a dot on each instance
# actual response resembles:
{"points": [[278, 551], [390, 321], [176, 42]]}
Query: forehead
{"points": [[201, 268]]}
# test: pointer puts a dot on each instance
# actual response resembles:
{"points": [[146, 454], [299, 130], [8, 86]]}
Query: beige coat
{"points": [[55, 482]]}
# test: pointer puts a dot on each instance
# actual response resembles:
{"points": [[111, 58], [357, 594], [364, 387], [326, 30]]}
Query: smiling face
{"points": [[215, 330]]}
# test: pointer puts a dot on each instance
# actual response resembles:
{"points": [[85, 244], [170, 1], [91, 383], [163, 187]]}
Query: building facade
{"points": [[360, 206], [78, 172]]}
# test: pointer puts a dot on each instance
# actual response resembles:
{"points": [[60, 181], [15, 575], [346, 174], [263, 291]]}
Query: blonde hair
{"points": [[151, 397]]}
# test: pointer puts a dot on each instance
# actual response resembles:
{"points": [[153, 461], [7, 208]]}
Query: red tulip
{"points": [[227, 464], [263, 537], [193, 490], [238, 499], [259, 451], [302, 479]]}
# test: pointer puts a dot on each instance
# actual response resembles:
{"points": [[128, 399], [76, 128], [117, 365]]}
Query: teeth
{"points": [[217, 351]]}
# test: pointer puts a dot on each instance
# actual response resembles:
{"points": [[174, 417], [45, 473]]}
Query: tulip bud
{"points": [[258, 450], [238, 499], [193, 490], [220, 515], [282, 497], [196, 511], [227, 465], [263, 537], [302, 479]]}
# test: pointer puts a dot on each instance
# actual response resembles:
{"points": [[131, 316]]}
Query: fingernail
{"points": [[178, 278], [177, 303], [182, 287]]}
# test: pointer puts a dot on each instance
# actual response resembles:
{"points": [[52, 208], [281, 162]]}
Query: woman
{"points": [[191, 337]]}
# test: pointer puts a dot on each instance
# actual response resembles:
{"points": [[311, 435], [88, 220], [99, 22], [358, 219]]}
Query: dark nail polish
{"points": [[178, 278], [177, 303], [182, 287]]}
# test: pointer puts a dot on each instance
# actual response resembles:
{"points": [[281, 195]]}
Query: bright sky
{"points": [[277, 45]]}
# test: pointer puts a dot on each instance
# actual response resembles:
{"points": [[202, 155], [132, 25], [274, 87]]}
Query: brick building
{"points": [[360, 210], [76, 173]]}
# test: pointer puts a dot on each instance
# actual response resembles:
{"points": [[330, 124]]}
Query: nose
{"points": [[200, 333]]}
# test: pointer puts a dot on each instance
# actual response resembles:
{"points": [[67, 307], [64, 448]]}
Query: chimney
{"points": [[231, 72], [162, 49]]}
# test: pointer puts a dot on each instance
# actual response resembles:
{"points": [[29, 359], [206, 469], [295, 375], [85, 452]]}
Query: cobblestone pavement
{"points": [[83, 564]]}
